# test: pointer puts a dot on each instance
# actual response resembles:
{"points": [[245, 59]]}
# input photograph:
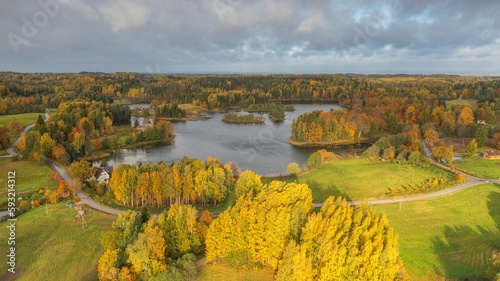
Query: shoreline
{"points": [[331, 144]]}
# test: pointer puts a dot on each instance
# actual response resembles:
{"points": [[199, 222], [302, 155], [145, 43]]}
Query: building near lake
{"points": [[492, 154], [103, 174]]}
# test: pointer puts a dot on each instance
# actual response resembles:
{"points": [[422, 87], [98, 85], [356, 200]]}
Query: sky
{"points": [[253, 36]]}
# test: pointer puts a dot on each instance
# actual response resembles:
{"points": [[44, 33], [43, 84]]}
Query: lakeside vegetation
{"points": [[232, 117]]}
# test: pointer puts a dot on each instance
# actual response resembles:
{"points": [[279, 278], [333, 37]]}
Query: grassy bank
{"points": [[453, 235], [361, 178], [53, 246]]}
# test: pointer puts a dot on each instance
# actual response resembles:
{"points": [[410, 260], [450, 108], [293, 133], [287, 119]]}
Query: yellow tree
{"points": [[343, 243], [466, 116], [147, 253], [105, 267], [46, 144], [431, 136], [248, 183]]}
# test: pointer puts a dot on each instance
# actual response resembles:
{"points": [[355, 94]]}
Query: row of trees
{"points": [[189, 181], [398, 148]]}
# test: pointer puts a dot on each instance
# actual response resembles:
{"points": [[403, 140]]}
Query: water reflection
{"points": [[263, 148]]}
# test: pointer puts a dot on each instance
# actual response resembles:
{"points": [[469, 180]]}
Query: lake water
{"points": [[263, 148]]}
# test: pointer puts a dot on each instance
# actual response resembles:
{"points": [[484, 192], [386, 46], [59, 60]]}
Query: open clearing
{"points": [[453, 235], [29, 175], [362, 178], [221, 271], [25, 119], [470, 103], [54, 246]]}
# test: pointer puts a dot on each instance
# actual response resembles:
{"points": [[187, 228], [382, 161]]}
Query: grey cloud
{"points": [[130, 35]]}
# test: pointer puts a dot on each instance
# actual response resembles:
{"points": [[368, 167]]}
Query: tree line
{"points": [[189, 181], [223, 91]]}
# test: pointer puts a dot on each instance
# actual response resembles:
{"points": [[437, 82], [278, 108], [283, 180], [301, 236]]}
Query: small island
{"points": [[275, 111], [232, 117]]}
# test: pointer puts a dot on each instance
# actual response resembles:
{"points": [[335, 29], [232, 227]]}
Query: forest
{"points": [[272, 224]]}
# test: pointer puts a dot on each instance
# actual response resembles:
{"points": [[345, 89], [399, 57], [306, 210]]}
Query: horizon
{"points": [[267, 37]]}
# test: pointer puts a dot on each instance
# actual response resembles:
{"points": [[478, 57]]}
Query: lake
{"points": [[263, 148]]}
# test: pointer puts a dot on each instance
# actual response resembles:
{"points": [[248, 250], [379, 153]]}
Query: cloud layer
{"points": [[283, 36]]}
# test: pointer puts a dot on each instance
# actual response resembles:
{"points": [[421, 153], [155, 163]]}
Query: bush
{"points": [[315, 160], [293, 168]]}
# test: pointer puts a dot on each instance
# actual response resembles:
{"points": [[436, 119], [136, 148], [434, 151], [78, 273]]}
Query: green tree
{"points": [[40, 121], [4, 137], [147, 253], [481, 135], [81, 170], [471, 149], [315, 160], [293, 168]]}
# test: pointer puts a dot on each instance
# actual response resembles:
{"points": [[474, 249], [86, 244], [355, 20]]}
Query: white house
{"points": [[103, 174]]}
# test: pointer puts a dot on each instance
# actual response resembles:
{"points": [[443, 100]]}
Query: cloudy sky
{"points": [[252, 36]]}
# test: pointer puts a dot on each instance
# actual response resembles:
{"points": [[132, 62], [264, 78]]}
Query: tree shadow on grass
{"points": [[464, 252], [324, 192]]}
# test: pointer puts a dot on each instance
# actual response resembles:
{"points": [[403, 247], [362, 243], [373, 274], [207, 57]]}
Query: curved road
{"points": [[473, 181], [57, 168], [10, 150]]}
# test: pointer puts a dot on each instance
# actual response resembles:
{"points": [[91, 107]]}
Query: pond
{"points": [[263, 148]]}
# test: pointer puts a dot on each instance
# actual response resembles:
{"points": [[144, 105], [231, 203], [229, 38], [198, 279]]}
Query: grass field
{"points": [[220, 271], [53, 246], [480, 166], [453, 235], [361, 178], [29, 175], [25, 119], [191, 109], [470, 103]]}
